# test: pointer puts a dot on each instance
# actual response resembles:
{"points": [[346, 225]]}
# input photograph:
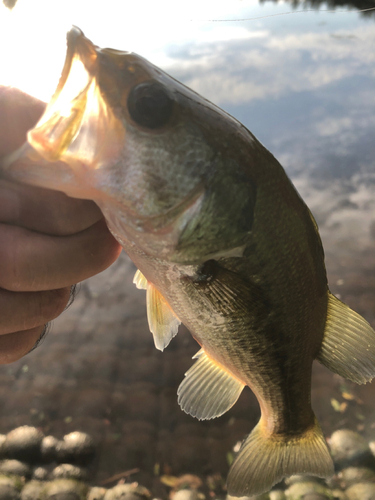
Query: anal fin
{"points": [[162, 322], [348, 346], [208, 390]]}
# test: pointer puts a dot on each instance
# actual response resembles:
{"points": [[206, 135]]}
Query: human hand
{"points": [[48, 241]]}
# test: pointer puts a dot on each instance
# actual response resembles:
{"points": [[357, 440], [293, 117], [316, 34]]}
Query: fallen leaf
{"points": [[348, 396], [335, 405], [169, 480]]}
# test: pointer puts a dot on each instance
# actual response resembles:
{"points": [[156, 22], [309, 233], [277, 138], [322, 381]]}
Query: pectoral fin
{"points": [[162, 321], [348, 346], [208, 390]]}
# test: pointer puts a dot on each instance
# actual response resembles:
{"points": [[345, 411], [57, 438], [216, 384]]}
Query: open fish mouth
{"points": [[78, 120]]}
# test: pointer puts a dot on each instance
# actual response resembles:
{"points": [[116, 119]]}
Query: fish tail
{"points": [[265, 459]]}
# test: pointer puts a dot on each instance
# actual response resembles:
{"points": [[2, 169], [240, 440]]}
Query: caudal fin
{"points": [[265, 459]]}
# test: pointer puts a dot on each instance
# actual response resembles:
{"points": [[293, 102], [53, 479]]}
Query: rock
{"points": [[339, 495], [10, 488], [348, 448], [2, 447], [263, 496], [69, 471], [371, 446], [314, 496], [334, 482], [303, 478], [15, 467], [77, 447], [361, 491], [8, 492], [96, 493], [127, 492], [65, 489], [40, 473], [32, 490], [277, 495], [354, 475], [316, 491], [185, 495], [23, 443], [48, 448]]}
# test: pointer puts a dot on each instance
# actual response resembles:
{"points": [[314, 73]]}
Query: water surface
{"points": [[304, 84]]}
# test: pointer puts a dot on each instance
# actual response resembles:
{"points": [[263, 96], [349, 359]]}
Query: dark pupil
{"points": [[150, 105]]}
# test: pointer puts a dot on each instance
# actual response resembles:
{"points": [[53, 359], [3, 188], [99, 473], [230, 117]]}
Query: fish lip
{"points": [[76, 106], [78, 44]]}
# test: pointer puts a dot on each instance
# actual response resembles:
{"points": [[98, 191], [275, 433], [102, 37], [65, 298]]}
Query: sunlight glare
{"points": [[33, 34]]}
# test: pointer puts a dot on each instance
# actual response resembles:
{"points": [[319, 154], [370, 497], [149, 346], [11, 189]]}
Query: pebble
{"points": [[8, 492], [23, 443], [10, 488], [186, 495], [40, 473], [127, 492], [354, 475], [339, 495], [277, 495], [303, 478], [96, 493], [316, 491], [15, 467], [48, 448], [65, 489], [361, 491], [69, 471], [348, 448], [32, 490], [2, 447], [76, 447], [263, 496], [315, 496]]}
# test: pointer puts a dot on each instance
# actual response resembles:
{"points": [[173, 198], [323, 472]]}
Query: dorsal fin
{"points": [[208, 390], [348, 346], [162, 321]]}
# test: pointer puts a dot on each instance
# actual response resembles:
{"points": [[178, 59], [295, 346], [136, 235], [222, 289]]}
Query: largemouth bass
{"points": [[223, 244]]}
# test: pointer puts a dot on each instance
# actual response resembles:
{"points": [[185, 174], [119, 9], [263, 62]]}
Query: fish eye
{"points": [[150, 104]]}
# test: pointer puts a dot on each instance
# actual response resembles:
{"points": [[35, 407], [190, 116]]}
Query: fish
{"points": [[222, 241]]}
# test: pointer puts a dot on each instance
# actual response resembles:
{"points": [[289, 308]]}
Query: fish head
{"points": [[123, 133]]}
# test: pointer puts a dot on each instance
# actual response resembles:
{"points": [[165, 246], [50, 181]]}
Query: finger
{"points": [[31, 261], [44, 210], [27, 310], [19, 113], [15, 345]]}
